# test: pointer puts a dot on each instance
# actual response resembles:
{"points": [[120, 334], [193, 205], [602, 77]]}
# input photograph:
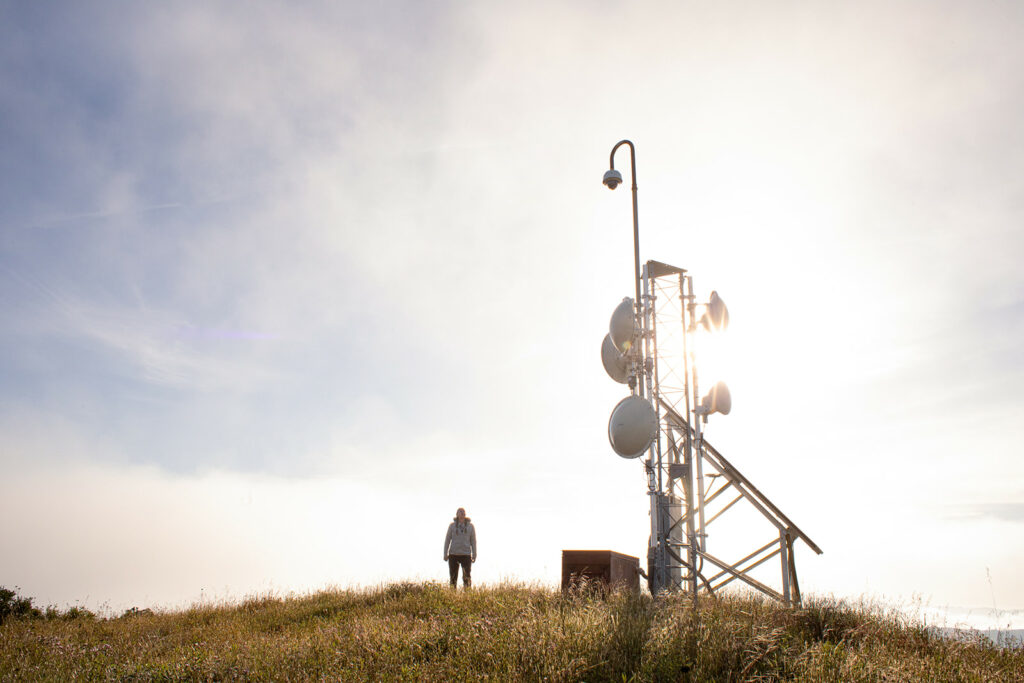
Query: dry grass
{"points": [[507, 633]]}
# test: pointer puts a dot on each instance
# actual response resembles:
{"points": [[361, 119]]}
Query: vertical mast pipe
{"points": [[636, 230]]}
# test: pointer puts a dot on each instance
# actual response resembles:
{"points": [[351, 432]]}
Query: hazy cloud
{"points": [[1006, 512]]}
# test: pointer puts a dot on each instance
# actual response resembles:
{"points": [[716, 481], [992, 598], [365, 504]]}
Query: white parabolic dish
{"points": [[622, 327], [632, 427], [614, 362]]}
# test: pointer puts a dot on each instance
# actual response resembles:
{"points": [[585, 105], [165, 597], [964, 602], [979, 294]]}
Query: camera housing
{"points": [[612, 178]]}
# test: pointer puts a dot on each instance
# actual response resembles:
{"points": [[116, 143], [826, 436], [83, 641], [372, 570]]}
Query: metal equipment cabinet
{"points": [[605, 567]]}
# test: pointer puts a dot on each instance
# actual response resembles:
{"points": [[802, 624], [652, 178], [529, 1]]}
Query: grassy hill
{"points": [[507, 633]]}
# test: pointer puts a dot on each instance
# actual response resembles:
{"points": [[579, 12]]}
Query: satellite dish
{"points": [[623, 328], [717, 316], [615, 363], [718, 400], [632, 427]]}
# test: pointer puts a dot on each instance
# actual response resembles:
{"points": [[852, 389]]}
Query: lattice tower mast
{"points": [[687, 478]]}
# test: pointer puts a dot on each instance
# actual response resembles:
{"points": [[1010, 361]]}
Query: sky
{"points": [[283, 285]]}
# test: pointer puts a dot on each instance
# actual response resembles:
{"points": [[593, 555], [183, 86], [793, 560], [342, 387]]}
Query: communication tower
{"points": [[651, 347]]}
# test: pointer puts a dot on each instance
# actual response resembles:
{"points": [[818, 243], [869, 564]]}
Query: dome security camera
{"points": [[612, 178]]}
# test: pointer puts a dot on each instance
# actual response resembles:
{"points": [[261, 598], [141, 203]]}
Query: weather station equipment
{"points": [[651, 347]]}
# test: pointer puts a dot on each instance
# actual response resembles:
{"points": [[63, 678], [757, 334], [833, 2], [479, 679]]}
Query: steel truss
{"points": [[692, 485]]}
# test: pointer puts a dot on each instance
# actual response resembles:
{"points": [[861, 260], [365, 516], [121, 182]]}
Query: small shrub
{"points": [[828, 620], [403, 589], [77, 612], [12, 606]]}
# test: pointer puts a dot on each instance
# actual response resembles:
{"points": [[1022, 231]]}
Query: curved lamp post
{"points": [[612, 178]]}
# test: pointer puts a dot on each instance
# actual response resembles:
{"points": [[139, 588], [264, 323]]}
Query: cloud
{"points": [[1005, 512]]}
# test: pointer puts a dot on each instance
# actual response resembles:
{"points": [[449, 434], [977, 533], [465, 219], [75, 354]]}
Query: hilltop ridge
{"points": [[425, 631]]}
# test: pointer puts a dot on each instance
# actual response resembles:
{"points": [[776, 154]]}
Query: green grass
{"points": [[426, 632]]}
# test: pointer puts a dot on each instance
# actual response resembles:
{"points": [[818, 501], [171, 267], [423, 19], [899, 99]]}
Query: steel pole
{"points": [[637, 306], [660, 556]]}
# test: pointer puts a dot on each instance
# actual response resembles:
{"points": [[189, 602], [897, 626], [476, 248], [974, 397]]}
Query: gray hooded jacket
{"points": [[460, 539]]}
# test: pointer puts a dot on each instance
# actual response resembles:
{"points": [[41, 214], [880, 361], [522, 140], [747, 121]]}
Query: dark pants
{"points": [[453, 569]]}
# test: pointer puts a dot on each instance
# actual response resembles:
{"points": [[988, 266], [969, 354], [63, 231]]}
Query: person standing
{"points": [[460, 548]]}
